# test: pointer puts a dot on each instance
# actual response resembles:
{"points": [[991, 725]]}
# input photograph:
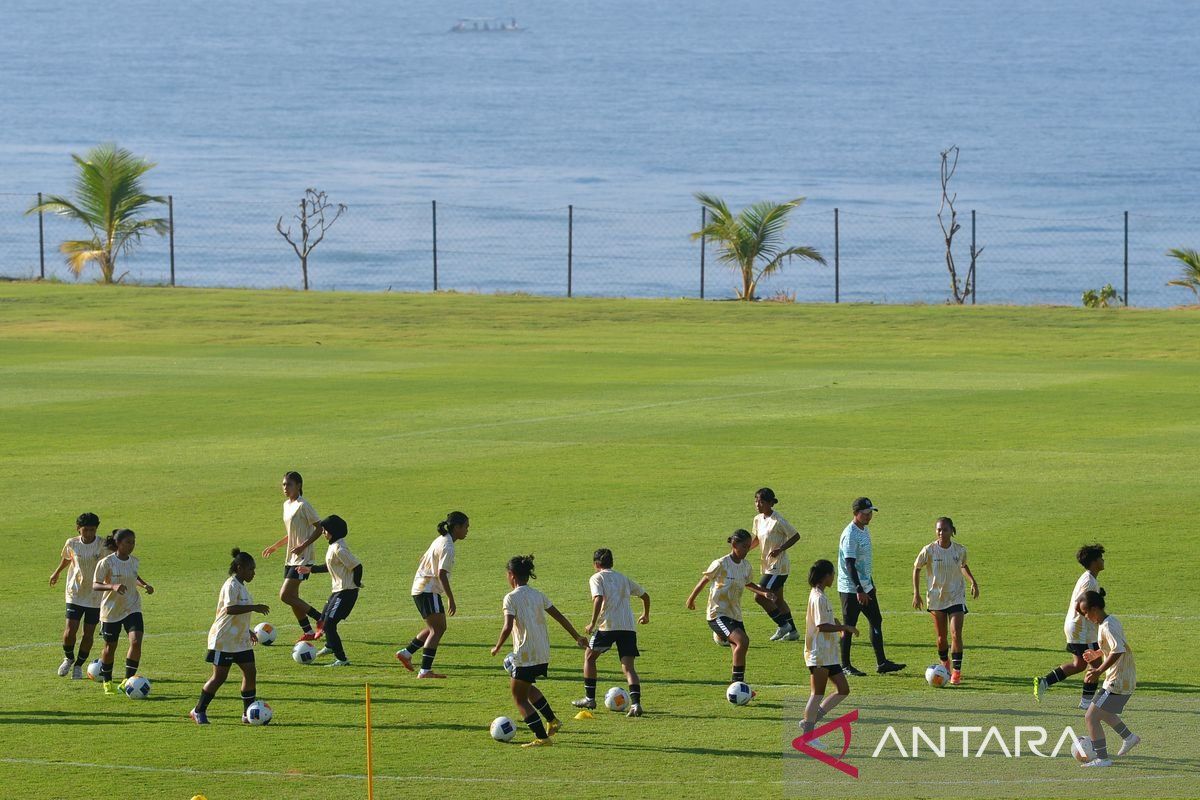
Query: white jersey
{"points": [[439, 556], [821, 648], [299, 519], [944, 580], [1078, 628], [230, 633], [729, 579], [341, 564], [1121, 677], [616, 589], [83, 557], [112, 570], [531, 640], [771, 531]]}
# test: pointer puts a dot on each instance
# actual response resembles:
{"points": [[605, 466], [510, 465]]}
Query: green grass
{"points": [[644, 426]]}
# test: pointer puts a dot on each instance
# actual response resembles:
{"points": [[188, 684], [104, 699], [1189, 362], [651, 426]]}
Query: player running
{"points": [[1114, 660], [117, 578], [81, 553], [299, 522], [946, 593], [431, 580], [1080, 631], [775, 535]]}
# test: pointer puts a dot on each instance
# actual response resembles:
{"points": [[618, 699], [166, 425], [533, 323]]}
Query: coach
{"points": [[856, 588]]}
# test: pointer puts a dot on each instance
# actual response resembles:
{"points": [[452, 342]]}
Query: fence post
{"points": [[41, 239], [171, 232], [1126, 259], [435, 245], [974, 277], [837, 259], [570, 244], [703, 241]]}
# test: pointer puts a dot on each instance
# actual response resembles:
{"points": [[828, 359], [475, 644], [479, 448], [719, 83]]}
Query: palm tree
{"points": [[1190, 279], [108, 199], [751, 241]]}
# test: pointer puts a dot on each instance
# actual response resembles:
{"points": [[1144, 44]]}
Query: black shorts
{"points": [[290, 573], [340, 605], [90, 616], [960, 608], [220, 658], [111, 631], [626, 642], [834, 669], [773, 583], [429, 603], [531, 673], [1080, 649], [723, 626], [1112, 703]]}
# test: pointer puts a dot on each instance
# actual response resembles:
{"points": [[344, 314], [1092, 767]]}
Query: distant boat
{"points": [[486, 25]]}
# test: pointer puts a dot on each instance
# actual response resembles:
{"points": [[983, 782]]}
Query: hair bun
{"points": [[235, 552]]}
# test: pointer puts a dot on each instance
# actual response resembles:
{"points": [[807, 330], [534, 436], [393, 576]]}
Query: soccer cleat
{"points": [[778, 634], [816, 744], [538, 743], [405, 658], [65, 667], [1133, 741], [325, 651], [121, 685], [956, 677], [245, 720], [339, 663], [585, 702], [108, 688], [1098, 762], [635, 710], [200, 718], [790, 635], [428, 673], [1040, 687], [753, 694], [320, 630], [946, 664], [889, 666], [553, 727], [854, 672], [1085, 703], [307, 636], [77, 673]]}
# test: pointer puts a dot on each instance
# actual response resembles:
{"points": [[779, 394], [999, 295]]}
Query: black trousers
{"points": [[337, 609], [851, 609]]}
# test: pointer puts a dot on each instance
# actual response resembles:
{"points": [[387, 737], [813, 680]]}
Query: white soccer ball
{"points": [[94, 669], [304, 653], [616, 699], [510, 666], [265, 632], [719, 641], [937, 675], [503, 729], [1082, 749], [137, 688], [259, 713], [739, 693]]}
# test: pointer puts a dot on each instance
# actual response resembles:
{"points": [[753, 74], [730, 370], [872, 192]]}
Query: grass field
{"points": [[644, 426]]}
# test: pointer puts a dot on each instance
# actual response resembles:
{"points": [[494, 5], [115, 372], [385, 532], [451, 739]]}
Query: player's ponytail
{"points": [[297, 479], [452, 521], [821, 569], [116, 537], [522, 568], [739, 536], [240, 559]]}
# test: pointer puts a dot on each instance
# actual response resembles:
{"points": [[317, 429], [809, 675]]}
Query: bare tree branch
{"points": [[311, 217]]}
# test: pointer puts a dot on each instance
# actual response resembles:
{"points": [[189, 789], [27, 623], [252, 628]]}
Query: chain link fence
{"points": [[872, 257]]}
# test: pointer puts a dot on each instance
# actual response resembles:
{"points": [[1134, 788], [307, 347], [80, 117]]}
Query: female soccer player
{"points": [[300, 521], [231, 637], [821, 648], [775, 535], [81, 553], [346, 571], [1114, 660], [1080, 631], [946, 594], [730, 576], [612, 623], [525, 610], [117, 579], [433, 578]]}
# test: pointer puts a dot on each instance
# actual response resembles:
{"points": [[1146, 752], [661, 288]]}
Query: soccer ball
{"points": [[304, 653], [936, 675], [503, 729], [265, 632], [137, 688], [1082, 749], [616, 699], [259, 713], [510, 666], [739, 693], [94, 669]]}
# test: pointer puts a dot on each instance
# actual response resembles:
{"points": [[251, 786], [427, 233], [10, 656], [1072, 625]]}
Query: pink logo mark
{"points": [[801, 743]]}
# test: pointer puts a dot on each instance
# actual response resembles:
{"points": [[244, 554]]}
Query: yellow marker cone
{"points": [[585, 714]]}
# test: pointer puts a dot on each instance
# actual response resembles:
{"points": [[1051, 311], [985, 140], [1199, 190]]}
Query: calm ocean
{"points": [[1068, 114]]}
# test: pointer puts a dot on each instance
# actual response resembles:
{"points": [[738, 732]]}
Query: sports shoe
{"points": [[77, 673], [585, 702], [1128, 744], [889, 666], [790, 635], [428, 673], [245, 720], [199, 717], [539, 743], [553, 726], [325, 651], [1098, 762], [635, 710], [108, 688], [816, 744], [956, 677], [121, 685], [65, 667], [307, 636], [1040, 687], [1085, 703], [778, 634], [320, 630], [339, 663], [405, 658], [946, 664], [853, 671]]}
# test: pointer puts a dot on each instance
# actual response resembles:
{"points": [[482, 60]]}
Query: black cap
{"points": [[335, 525], [864, 504]]}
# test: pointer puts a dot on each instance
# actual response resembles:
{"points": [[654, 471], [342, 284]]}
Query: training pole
{"points": [[370, 779]]}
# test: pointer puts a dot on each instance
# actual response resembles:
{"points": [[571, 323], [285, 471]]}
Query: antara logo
{"points": [[801, 743]]}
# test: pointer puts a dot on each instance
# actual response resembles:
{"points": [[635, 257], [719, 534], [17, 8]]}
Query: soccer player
{"points": [[525, 610], [117, 578], [775, 535], [231, 637], [821, 649], [946, 592], [1115, 661], [346, 570], [730, 576], [431, 580], [300, 524], [857, 589], [1080, 631], [612, 624], [81, 553]]}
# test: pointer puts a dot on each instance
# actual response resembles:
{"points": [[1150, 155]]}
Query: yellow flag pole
{"points": [[370, 778]]}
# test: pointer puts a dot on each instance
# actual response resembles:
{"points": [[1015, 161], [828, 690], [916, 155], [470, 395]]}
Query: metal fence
{"points": [[584, 251]]}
